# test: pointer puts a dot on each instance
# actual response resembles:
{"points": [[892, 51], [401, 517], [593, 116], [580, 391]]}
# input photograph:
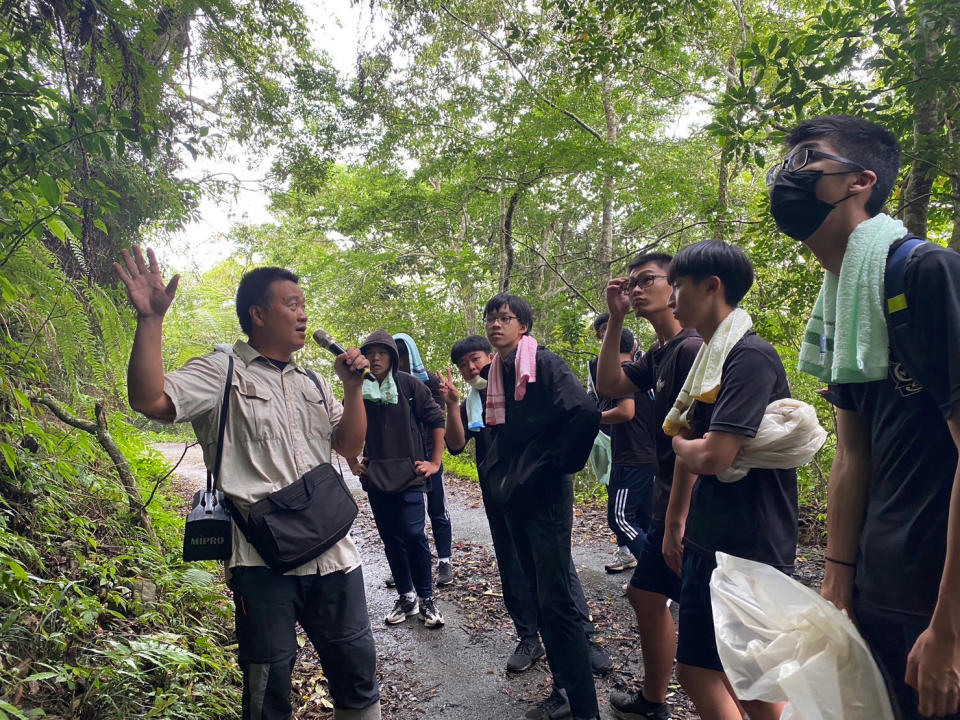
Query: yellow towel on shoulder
{"points": [[703, 381]]}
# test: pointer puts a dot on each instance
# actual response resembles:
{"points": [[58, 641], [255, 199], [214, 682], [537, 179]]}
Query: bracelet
{"points": [[841, 562]]}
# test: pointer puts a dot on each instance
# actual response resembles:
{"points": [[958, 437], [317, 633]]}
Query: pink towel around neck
{"points": [[526, 364]]}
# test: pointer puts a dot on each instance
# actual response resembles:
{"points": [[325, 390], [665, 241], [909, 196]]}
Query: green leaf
{"points": [[51, 191], [58, 228], [10, 455], [101, 226], [41, 676], [9, 711], [17, 570]]}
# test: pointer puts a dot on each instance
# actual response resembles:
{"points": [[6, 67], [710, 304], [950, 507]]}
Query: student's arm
{"points": [[678, 508], [351, 430], [151, 298], [846, 504], [456, 436], [611, 379], [709, 455], [933, 665], [622, 413]]}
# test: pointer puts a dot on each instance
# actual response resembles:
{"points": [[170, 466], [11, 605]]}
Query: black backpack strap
{"points": [[895, 283], [214, 477]]}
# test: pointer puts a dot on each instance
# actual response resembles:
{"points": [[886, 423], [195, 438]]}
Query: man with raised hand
{"points": [[280, 425]]}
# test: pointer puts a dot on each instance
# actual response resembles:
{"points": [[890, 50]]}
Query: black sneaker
{"points": [[554, 707], [402, 610], [526, 654], [444, 572], [600, 662], [429, 614], [634, 706], [389, 581]]}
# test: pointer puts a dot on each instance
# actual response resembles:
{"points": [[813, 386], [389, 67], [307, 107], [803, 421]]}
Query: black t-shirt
{"points": [[633, 442], [662, 371], [913, 456], [756, 517]]}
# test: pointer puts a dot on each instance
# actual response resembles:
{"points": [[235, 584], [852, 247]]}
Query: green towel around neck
{"points": [[383, 392], [846, 339]]}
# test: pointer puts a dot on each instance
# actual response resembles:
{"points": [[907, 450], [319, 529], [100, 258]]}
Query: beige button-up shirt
{"points": [[277, 429]]}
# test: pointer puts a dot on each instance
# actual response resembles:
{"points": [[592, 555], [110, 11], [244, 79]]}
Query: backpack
{"points": [[905, 342]]}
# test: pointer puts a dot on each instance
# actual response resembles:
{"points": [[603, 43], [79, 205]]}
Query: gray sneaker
{"points": [[634, 706], [402, 610], [622, 560], [444, 573], [553, 708]]}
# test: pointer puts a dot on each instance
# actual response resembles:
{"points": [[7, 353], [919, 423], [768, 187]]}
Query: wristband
{"points": [[841, 562]]}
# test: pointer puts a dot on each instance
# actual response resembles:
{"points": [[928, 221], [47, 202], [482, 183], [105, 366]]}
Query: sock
{"points": [[444, 560], [412, 595]]}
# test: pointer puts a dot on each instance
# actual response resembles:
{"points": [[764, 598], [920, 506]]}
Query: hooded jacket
{"points": [[395, 432]]}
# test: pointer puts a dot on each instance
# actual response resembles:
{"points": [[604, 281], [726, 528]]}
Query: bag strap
{"points": [[895, 282], [214, 477], [316, 381]]}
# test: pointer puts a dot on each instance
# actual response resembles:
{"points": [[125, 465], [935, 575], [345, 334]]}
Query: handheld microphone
{"points": [[324, 340]]}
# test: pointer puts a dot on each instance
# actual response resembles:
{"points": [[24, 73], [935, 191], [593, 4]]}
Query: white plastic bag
{"points": [[789, 436], [779, 640]]}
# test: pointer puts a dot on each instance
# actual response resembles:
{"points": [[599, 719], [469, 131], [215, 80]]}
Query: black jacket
{"points": [[547, 434]]}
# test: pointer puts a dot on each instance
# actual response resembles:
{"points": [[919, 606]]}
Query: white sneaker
{"points": [[402, 610], [622, 560]]}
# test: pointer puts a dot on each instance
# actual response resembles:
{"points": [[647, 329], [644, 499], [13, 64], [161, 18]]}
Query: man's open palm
{"points": [[148, 294]]}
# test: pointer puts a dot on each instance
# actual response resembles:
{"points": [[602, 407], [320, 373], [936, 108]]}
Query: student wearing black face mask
{"points": [[893, 518]]}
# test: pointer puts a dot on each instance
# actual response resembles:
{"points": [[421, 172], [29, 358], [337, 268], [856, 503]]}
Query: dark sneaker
{"points": [[389, 581], [554, 707], [444, 573], [600, 662], [623, 560], [402, 610], [634, 706], [526, 654], [429, 614]]}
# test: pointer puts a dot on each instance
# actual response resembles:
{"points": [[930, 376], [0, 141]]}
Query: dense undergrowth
{"points": [[99, 619]]}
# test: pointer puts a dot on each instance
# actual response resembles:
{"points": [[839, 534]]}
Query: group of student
{"points": [[680, 416]]}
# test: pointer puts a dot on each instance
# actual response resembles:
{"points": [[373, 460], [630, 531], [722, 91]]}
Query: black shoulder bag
{"points": [[301, 521], [208, 532]]}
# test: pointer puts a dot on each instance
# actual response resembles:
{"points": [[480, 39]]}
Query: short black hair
{"points": [[662, 259], [626, 341], [600, 320], [715, 257], [862, 141], [254, 289], [402, 348], [469, 344], [518, 306]]}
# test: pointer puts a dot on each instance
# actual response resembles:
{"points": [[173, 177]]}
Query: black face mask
{"points": [[794, 204]]}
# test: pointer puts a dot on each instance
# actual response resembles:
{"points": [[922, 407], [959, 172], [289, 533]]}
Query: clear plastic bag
{"points": [[601, 456], [779, 640]]}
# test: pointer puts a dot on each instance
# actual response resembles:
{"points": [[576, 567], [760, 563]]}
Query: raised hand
{"points": [[448, 391], [618, 297], [148, 294]]}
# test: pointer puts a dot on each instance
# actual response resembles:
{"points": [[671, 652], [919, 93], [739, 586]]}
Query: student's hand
{"points": [[358, 466], [426, 468], [673, 547], [933, 670], [618, 297], [348, 365], [837, 587], [148, 294], [448, 391]]}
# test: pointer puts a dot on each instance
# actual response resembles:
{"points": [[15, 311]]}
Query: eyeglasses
{"points": [[498, 319], [799, 159], [642, 281]]}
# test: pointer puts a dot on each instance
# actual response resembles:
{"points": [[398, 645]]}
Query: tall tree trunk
{"points": [[923, 172], [609, 182], [507, 237], [468, 290]]}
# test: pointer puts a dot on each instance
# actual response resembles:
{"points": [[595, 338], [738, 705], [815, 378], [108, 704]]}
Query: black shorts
{"points": [[890, 640], [696, 642], [652, 573]]}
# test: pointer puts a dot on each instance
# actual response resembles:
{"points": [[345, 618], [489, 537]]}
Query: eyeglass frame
{"points": [[811, 155], [502, 319], [648, 280]]}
